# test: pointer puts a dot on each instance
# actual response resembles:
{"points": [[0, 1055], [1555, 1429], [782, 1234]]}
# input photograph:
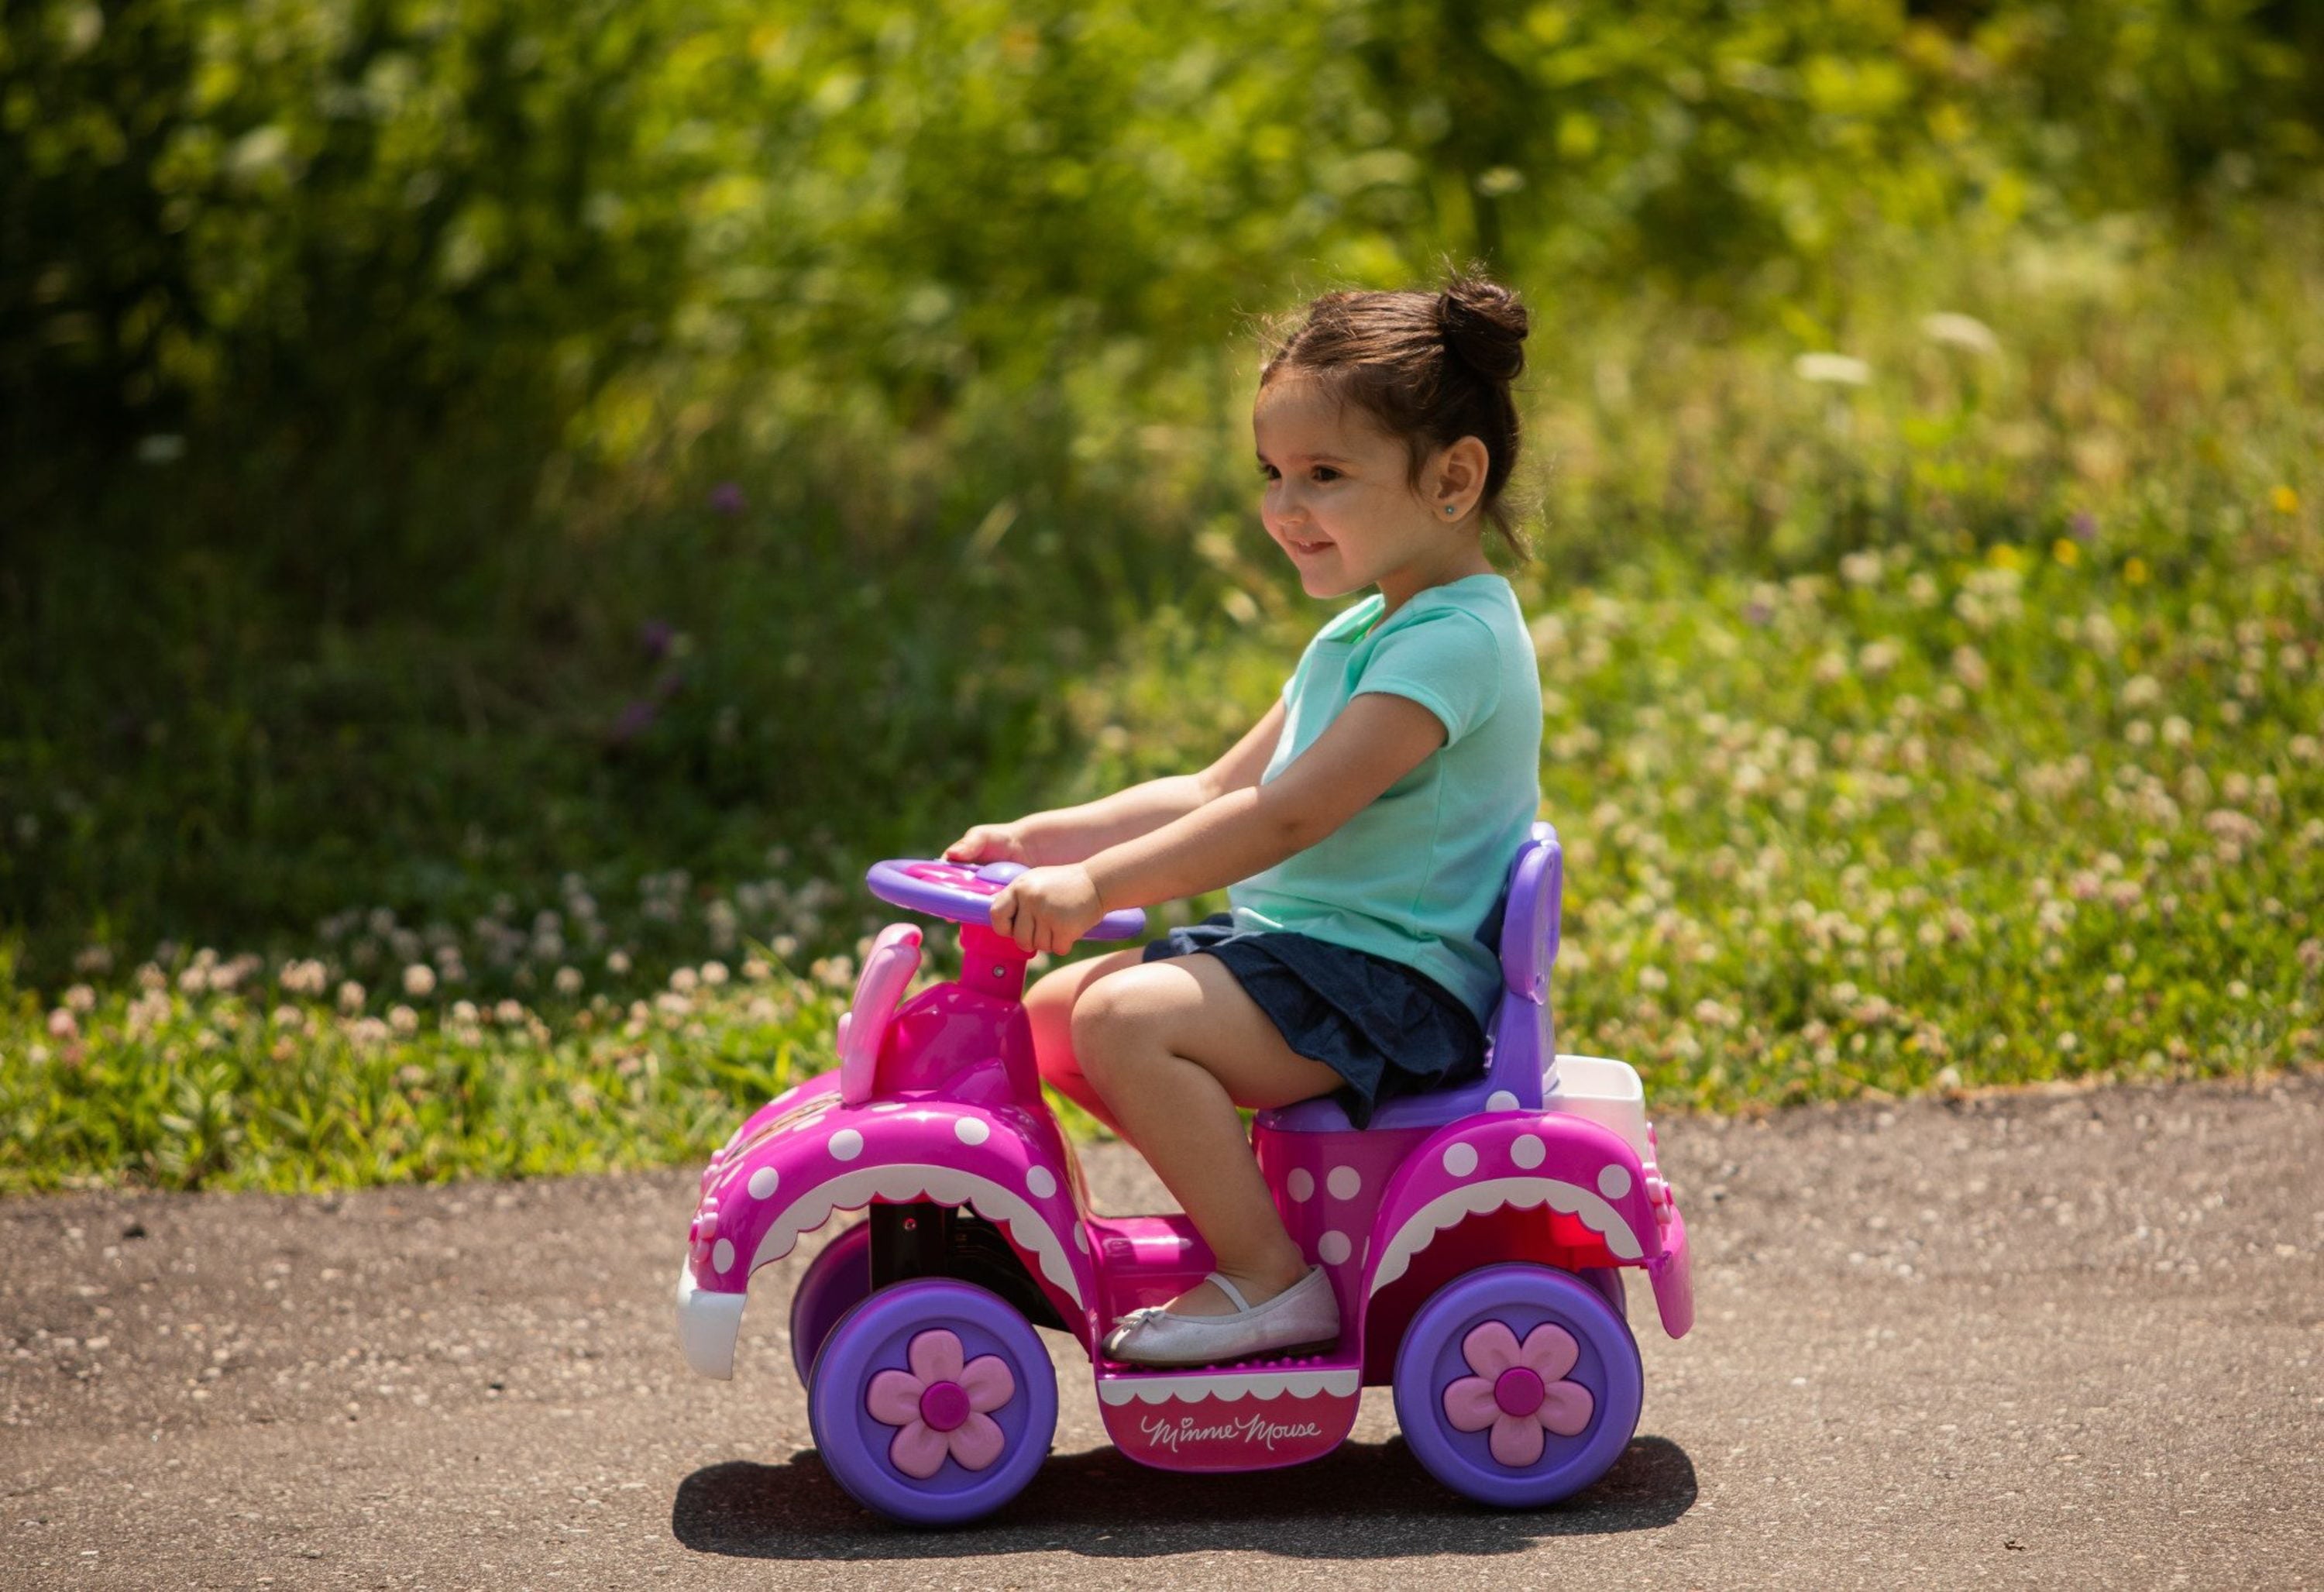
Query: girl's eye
{"points": [[1325, 473]]}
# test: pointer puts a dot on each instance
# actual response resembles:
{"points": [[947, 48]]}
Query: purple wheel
{"points": [[837, 1281], [933, 1401], [1517, 1384], [1608, 1281]]}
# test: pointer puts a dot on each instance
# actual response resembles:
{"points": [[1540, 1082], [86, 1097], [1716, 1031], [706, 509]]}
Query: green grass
{"points": [[1960, 727]]}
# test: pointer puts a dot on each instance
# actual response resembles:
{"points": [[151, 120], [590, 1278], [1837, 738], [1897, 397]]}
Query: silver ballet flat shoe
{"points": [[1301, 1318]]}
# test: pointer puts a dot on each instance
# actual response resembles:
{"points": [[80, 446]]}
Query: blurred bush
{"points": [[372, 371], [368, 246]]}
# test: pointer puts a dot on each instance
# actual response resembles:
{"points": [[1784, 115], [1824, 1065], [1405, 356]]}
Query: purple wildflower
{"points": [[633, 722], [726, 497]]}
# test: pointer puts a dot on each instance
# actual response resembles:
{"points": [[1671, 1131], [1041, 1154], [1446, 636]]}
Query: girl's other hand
{"points": [[1049, 908], [989, 842]]}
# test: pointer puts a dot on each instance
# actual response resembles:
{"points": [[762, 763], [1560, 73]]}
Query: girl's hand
{"points": [[988, 842], [1047, 909]]}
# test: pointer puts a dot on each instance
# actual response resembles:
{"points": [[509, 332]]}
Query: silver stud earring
{"points": [[1448, 509]]}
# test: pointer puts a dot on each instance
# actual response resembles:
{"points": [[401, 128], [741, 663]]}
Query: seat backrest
{"points": [[1520, 1038], [1523, 927]]}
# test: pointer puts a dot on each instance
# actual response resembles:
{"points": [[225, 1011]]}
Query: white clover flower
{"points": [[2177, 731], [509, 1012], [1841, 370], [1956, 330], [784, 945], [1653, 978], [352, 996], [464, 1011], [683, 979], [419, 981], [568, 980], [63, 1024], [402, 1019], [713, 974], [81, 998], [757, 970], [1969, 668], [617, 962], [98, 959], [1861, 569], [2141, 691]]}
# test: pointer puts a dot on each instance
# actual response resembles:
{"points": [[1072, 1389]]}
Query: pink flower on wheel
{"points": [[942, 1406], [1518, 1390]]}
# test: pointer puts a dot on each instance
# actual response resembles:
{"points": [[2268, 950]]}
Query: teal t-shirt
{"points": [[1412, 876]]}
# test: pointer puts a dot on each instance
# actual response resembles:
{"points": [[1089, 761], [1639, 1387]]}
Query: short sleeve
{"points": [[1447, 661]]}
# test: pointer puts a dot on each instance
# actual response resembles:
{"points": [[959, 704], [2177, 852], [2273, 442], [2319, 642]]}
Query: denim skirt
{"points": [[1387, 1028]]}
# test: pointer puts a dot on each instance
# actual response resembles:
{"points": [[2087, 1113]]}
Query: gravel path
{"points": [[2062, 1340]]}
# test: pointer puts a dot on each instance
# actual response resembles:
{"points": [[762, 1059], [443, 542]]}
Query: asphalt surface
{"points": [[2058, 1341]]}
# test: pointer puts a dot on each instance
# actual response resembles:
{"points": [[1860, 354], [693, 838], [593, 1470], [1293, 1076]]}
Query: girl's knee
{"points": [[1114, 1024]]}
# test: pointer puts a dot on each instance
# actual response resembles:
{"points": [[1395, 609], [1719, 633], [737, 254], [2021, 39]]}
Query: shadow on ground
{"points": [[1362, 1501]]}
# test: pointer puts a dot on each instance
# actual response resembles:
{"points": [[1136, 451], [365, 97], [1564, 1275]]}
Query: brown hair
{"points": [[1431, 368]]}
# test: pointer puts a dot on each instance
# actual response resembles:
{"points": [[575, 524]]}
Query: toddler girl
{"points": [[1362, 828]]}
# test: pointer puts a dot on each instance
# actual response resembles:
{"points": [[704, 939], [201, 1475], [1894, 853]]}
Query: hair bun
{"points": [[1484, 325]]}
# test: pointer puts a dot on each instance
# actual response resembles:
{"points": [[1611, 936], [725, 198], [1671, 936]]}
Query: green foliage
{"points": [[471, 459]]}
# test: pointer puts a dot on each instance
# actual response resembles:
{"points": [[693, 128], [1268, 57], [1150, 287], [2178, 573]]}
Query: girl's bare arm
{"points": [[1072, 834], [1376, 741]]}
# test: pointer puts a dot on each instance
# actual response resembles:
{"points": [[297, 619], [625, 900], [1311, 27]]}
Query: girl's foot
{"points": [[1303, 1318]]}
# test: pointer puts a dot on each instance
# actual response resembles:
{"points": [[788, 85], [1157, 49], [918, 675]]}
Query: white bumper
{"points": [[708, 1326]]}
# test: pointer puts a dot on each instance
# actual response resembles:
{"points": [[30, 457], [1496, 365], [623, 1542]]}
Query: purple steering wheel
{"points": [[962, 892]]}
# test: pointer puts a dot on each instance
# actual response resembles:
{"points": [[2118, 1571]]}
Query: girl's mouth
{"points": [[1311, 548]]}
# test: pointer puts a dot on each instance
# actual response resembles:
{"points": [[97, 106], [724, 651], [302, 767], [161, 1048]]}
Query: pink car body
{"points": [[1547, 1163]]}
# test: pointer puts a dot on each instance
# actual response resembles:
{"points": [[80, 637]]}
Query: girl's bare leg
{"points": [[1049, 1009], [1173, 1047]]}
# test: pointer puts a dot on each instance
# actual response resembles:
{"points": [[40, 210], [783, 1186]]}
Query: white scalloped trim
{"points": [[1227, 1386], [906, 1180], [1477, 1199]]}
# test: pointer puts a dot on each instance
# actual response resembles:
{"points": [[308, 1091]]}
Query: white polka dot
{"points": [[1302, 1184], [1501, 1099], [1526, 1151], [1345, 1182], [1614, 1181], [1038, 1179], [847, 1144], [1333, 1248], [763, 1181], [1461, 1160], [1081, 1239], [972, 1130], [722, 1256], [888, 1106]]}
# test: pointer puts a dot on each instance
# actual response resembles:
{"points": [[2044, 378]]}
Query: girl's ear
{"points": [[1460, 473]]}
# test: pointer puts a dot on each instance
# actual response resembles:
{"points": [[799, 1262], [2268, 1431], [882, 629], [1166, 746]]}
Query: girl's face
{"points": [[1337, 501]]}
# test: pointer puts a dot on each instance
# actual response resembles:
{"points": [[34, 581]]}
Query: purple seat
{"points": [[1518, 1041]]}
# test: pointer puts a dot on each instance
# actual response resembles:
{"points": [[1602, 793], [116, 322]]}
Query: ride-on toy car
{"points": [[1475, 1236]]}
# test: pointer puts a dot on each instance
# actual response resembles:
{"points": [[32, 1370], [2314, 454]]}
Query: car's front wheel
{"points": [[933, 1401]]}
